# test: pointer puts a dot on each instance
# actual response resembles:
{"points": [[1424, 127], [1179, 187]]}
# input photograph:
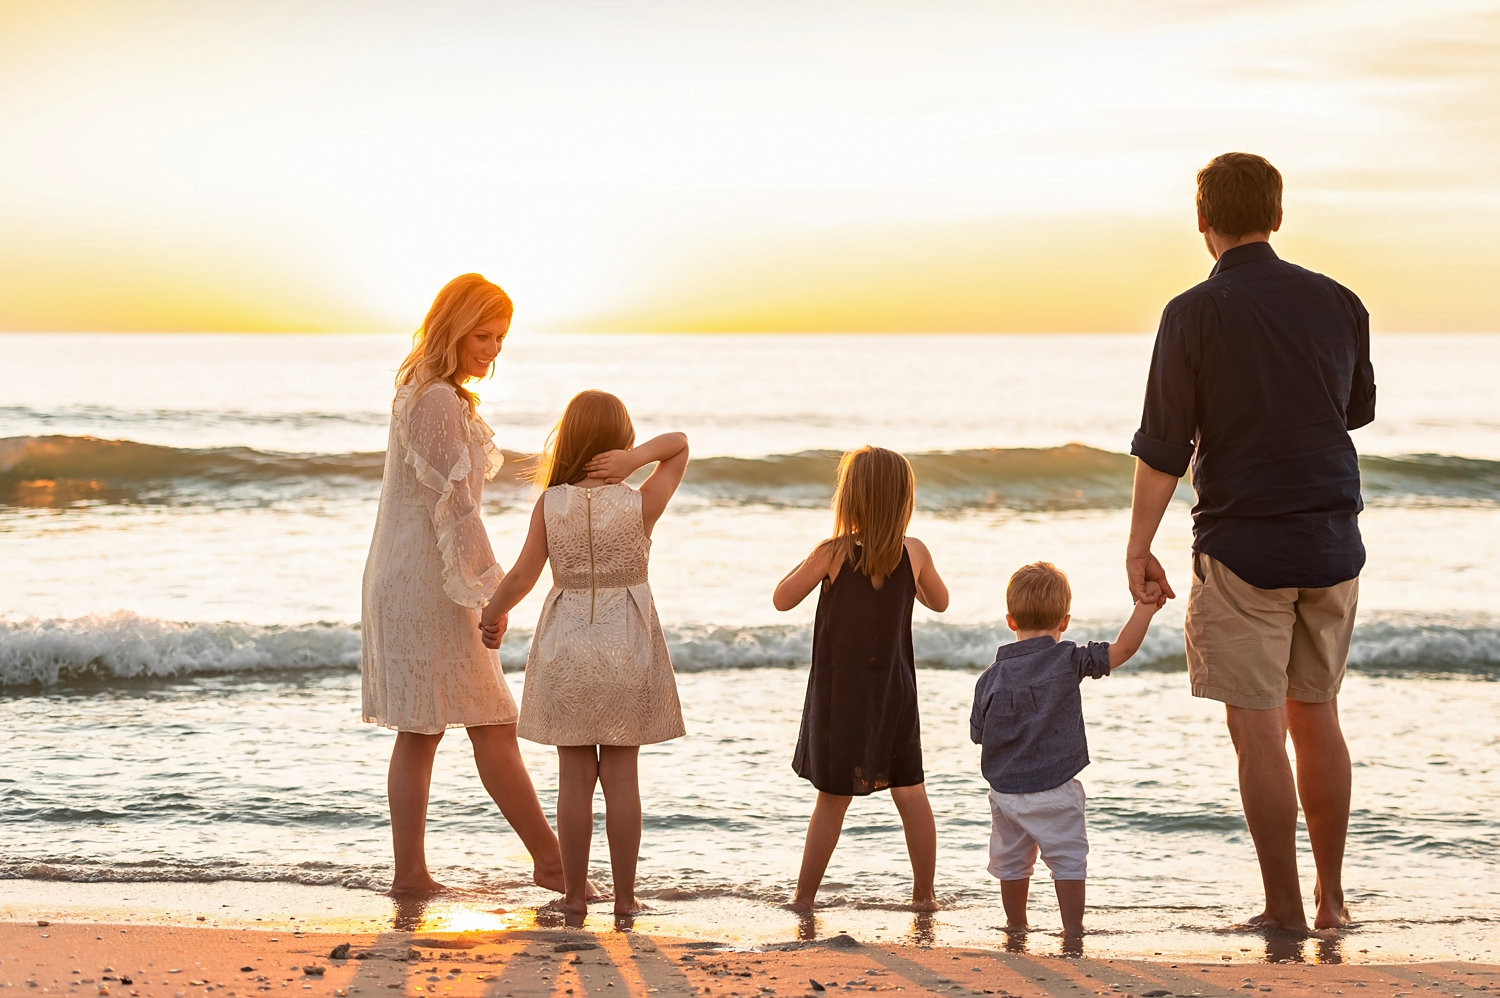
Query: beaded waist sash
{"points": [[599, 580]]}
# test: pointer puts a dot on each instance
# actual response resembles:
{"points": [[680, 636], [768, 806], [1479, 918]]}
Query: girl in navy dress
{"points": [[860, 732]]}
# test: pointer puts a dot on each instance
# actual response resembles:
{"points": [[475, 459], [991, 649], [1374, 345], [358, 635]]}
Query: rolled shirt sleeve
{"points": [[1169, 418], [1092, 660]]}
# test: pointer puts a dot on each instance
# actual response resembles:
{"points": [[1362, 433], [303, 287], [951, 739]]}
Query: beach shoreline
{"points": [[141, 960], [236, 910]]}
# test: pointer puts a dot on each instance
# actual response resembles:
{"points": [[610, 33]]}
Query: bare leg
{"points": [[407, 784], [1013, 894], [498, 759], [622, 821], [1070, 895], [1323, 782], [578, 772], [822, 835], [1269, 796], [921, 843]]}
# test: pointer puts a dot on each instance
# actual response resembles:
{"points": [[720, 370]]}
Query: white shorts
{"points": [[1049, 822]]}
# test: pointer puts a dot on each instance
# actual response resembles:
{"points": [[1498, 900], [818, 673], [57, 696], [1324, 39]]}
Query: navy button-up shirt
{"points": [[1258, 375], [1028, 714]]}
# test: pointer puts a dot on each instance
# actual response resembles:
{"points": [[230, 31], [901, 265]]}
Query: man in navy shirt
{"points": [[1258, 375]]}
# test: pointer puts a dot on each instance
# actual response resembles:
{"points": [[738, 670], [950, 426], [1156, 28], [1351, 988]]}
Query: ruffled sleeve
{"points": [[435, 433]]}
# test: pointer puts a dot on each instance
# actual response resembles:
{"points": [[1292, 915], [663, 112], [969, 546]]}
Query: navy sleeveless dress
{"points": [[859, 723]]}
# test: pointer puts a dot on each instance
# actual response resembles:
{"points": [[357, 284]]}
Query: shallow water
{"points": [[178, 625]]}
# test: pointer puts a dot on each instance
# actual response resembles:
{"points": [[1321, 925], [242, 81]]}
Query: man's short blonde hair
{"points": [[1038, 596]]}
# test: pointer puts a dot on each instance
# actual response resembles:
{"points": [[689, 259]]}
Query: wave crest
{"points": [[56, 470], [123, 647]]}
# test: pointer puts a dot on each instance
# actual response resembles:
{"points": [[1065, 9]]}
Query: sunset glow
{"points": [[688, 166]]}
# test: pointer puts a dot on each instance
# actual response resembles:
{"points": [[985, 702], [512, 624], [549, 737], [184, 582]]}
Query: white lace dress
{"points": [[430, 570], [598, 672]]}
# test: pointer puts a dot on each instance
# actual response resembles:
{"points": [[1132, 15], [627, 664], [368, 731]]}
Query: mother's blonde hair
{"points": [[465, 302], [872, 505]]}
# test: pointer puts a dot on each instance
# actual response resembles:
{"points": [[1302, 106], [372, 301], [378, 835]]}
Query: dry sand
{"points": [[79, 958]]}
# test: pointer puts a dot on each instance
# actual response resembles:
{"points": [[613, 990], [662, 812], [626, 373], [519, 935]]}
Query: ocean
{"points": [[184, 520]]}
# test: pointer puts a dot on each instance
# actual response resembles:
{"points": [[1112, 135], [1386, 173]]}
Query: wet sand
{"points": [[181, 961]]}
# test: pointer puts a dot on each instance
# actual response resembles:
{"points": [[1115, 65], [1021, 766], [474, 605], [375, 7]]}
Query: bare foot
{"points": [[1265, 921], [552, 879], [1332, 912], [565, 906], [630, 908], [802, 906], [549, 877], [928, 903], [418, 885]]}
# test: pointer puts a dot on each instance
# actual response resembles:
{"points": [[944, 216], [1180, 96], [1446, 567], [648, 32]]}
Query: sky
{"points": [[730, 166]]}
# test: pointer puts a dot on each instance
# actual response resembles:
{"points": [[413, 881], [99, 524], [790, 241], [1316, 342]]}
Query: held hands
{"points": [[1148, 580], [1152, 597], [491, 631], [614, 466]]}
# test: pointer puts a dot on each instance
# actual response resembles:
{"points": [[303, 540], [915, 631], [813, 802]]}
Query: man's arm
{"points": [[1165, 443], [1148, 502]]}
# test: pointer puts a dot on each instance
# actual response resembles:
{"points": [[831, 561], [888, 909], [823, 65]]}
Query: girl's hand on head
{"points": [[614, 466]]}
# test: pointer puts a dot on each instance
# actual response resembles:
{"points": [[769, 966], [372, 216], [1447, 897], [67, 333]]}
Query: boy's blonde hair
{"points": [[593, 422], [464, 303], [872, 505], [1038, 596]]}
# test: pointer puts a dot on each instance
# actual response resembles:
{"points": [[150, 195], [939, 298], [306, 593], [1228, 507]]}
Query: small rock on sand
{"points": [[339, 952], [313, 970]]}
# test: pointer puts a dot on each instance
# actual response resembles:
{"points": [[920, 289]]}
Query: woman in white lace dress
{"points": [[599, 683], [424, 665]]}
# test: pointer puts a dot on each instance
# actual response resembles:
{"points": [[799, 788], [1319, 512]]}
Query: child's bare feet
{"points": [[630, 908], [801, 905], [566, 906], [423, 884], [1265, 921], [924, 902]]}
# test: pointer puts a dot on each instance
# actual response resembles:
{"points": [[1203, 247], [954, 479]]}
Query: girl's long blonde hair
{"points": [[872, 505], [593, 422], [465, 302]]}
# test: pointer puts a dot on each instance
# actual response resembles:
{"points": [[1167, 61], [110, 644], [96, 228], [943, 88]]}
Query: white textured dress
{"points": [[598, 672], [423, 663]]}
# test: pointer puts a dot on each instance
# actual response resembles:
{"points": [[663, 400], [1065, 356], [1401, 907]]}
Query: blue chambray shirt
{"points": [[1028, 713]]}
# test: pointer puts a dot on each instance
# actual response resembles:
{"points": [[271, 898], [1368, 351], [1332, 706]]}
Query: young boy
{"points": [[1028, 716]]}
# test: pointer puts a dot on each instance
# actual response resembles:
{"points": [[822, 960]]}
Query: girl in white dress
{"points": [[424, 665], [599, 683]]}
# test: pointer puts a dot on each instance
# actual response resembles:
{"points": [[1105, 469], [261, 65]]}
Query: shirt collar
{"points": [[1028, 647], [1248, 253]]}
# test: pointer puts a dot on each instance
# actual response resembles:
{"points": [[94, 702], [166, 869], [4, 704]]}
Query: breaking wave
{"points": [[55, 470], [123, 647]]}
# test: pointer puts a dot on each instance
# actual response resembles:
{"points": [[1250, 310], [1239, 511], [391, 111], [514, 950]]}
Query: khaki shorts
{"points": [[1258, 648]]}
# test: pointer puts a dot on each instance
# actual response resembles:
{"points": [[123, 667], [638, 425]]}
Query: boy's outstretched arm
{"points": [[1134, 631]]}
